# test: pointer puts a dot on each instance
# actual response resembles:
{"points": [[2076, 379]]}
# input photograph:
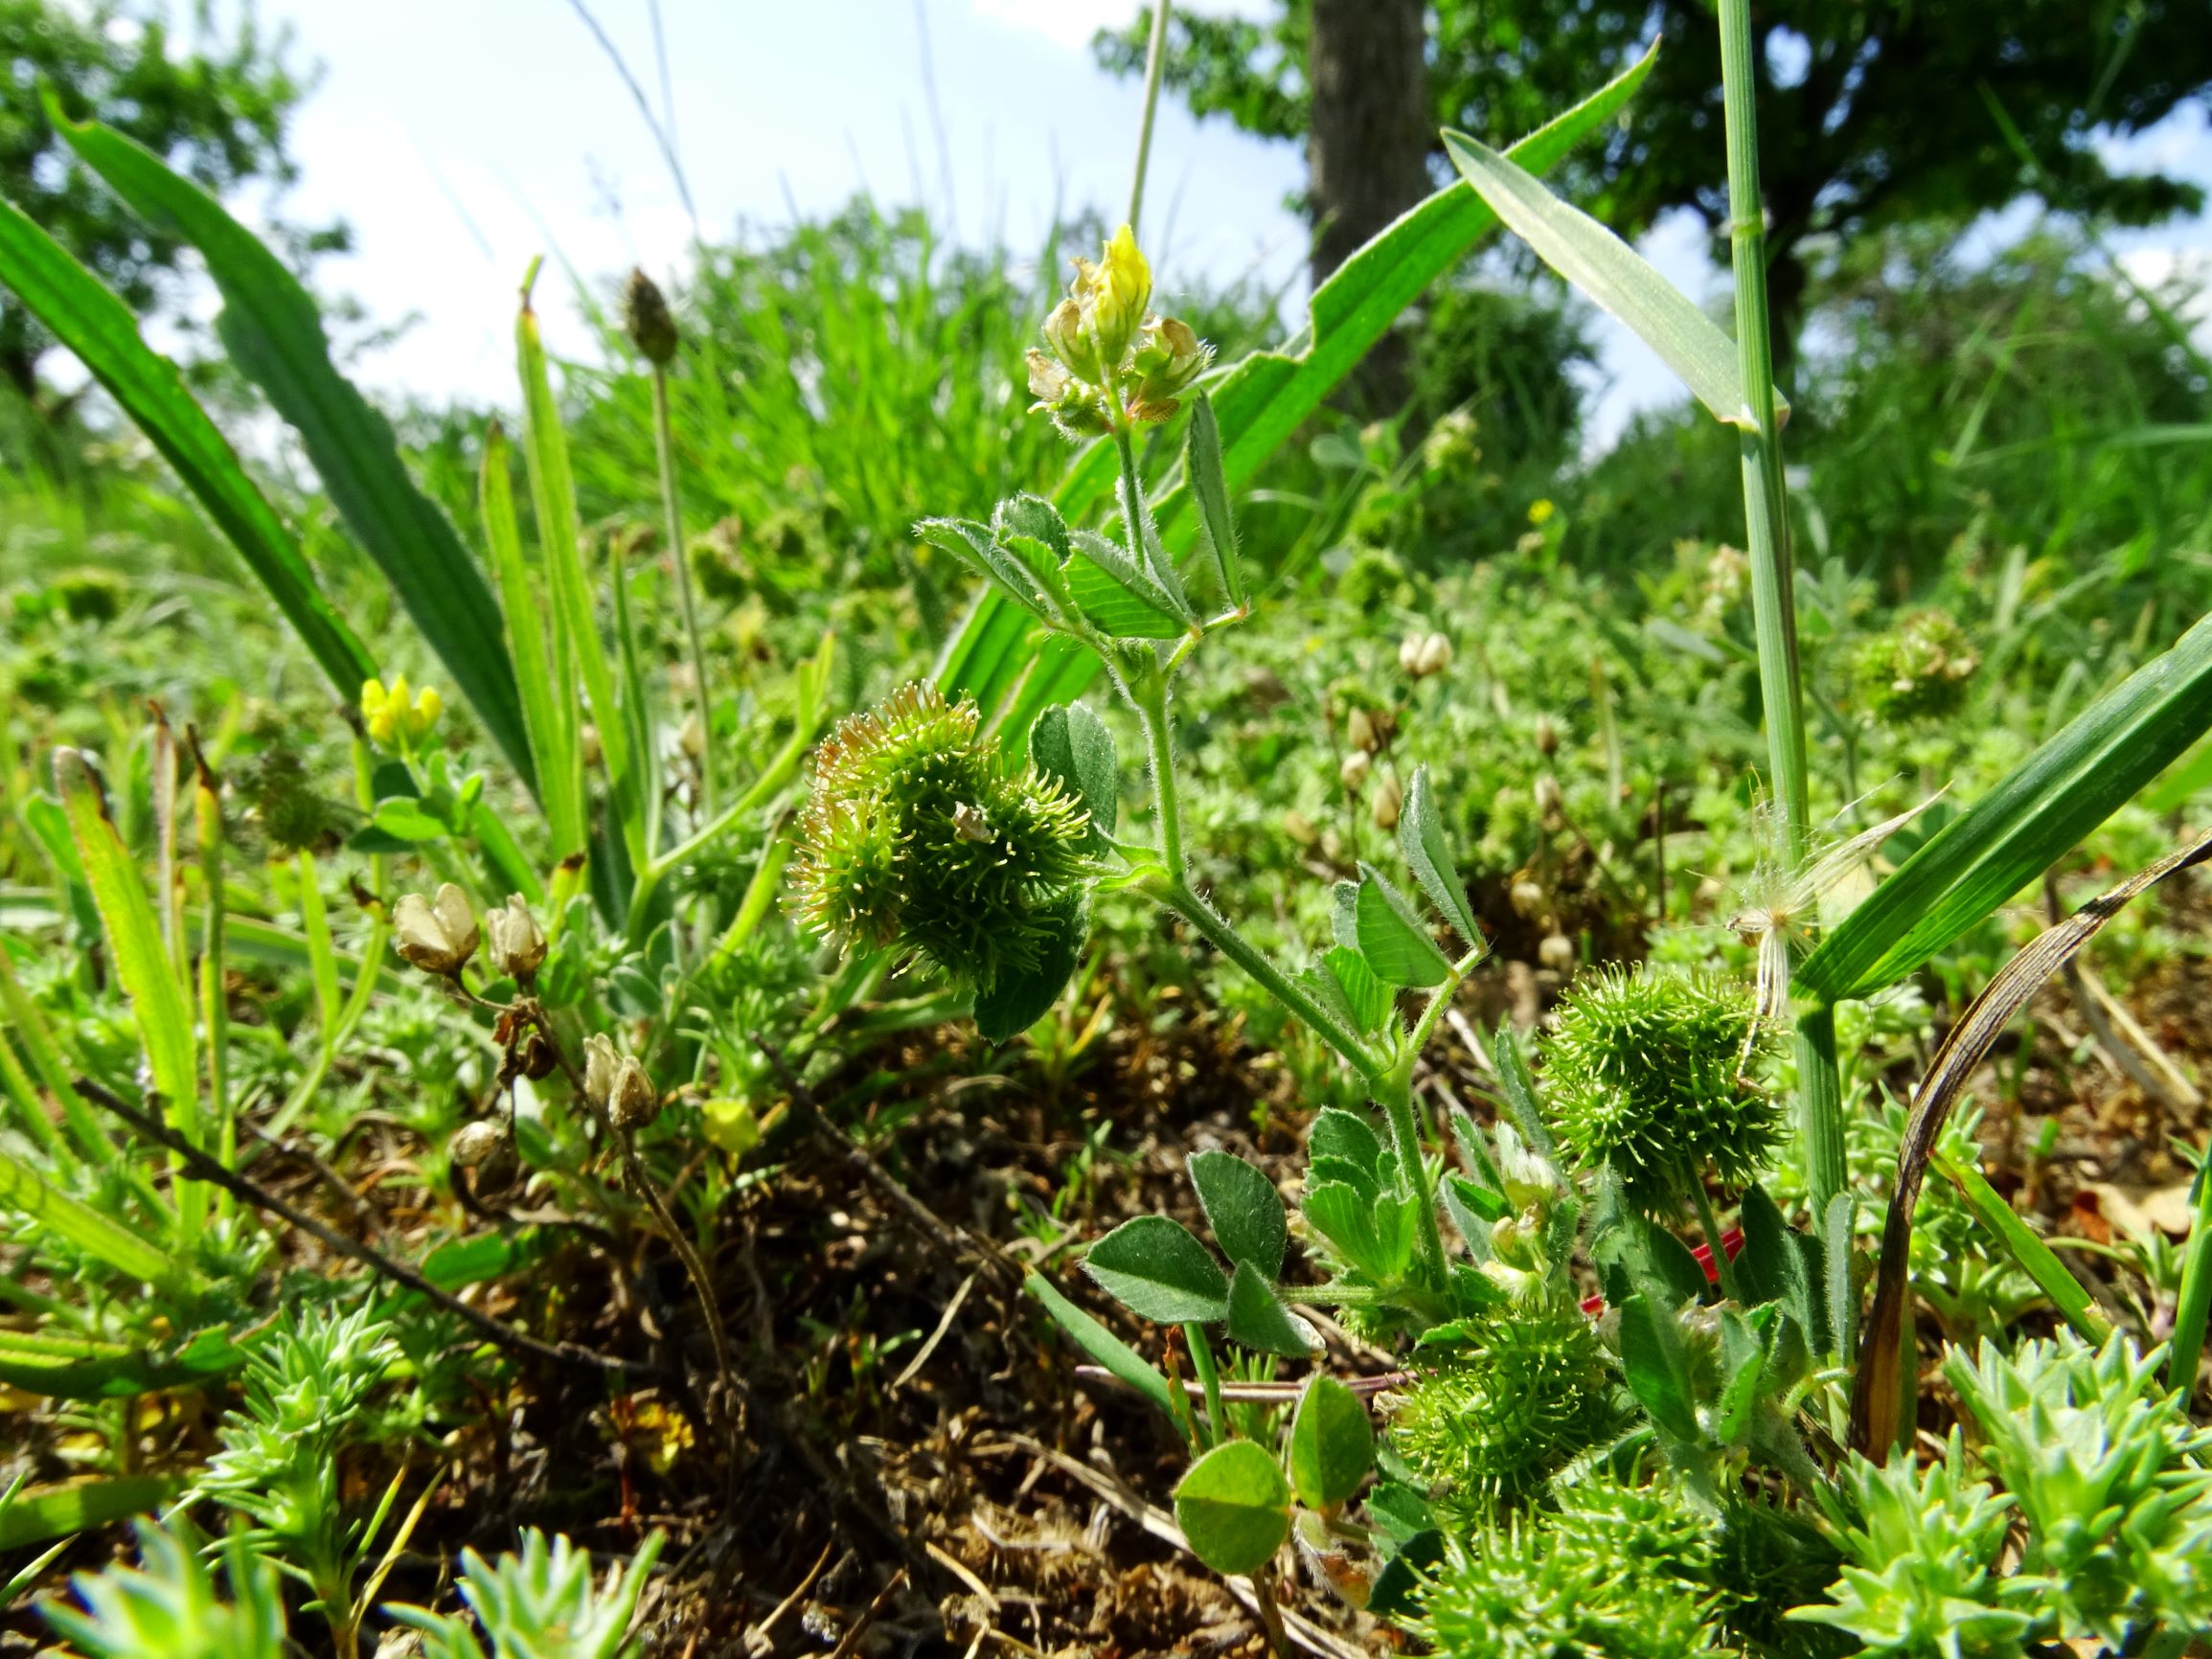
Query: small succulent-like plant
{"points": [[1646, 1078], [278, 1468], [1920, 1573], [2109, 1474], [919, 836], [168, 1605], [540, 1603]]}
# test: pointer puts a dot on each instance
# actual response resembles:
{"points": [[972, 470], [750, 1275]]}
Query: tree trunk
{"points": [[1367, 157]]}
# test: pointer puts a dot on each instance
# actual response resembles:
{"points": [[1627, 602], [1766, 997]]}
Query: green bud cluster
{"points": [[1917, 670], [916, 835], [1109, 357], [1645, 1075], [1489, 1424]]}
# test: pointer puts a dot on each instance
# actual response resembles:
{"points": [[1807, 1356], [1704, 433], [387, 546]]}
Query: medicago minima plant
{"points": [[1710, 1453]]}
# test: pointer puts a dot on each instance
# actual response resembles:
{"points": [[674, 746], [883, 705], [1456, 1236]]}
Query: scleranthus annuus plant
{"points": [[918, 836]]}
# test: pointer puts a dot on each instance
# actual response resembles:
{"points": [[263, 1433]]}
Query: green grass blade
{"points": [[100, 330], [2056, 796], [2037, 1258], [28, 1192], [27, 1026], [2193, 1305], [275, 335], [1263, 399], [41, 1513], [553, 737], [578, 649], [133, 941], [1613, 274]]}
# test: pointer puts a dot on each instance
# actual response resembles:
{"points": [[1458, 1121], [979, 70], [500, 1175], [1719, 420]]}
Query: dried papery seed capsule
{"points": [[1409, 653], [1389, 800], [1547, 796], [517, 943], [1353, 773], [602, 1060], [647, 320], [537, 1056], [436, 935], [1433, 657], [1527, 896], [1547, 737], [472, 1144], [1360, 731], [1556, 953], [631, 1102]]}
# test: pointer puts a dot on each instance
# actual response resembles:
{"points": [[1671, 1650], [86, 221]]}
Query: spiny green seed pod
{"points": [[916, 835], [1496, 1420], [1646, 1073], [1537, 1590], [647, 320]]}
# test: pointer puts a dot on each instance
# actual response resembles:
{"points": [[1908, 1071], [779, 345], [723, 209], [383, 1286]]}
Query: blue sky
{"points": [[461, 137]]}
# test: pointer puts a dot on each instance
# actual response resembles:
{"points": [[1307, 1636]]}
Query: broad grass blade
{"points": [[2018, 829], [1613, 274], [545, 712], [133, 941], [578, 650], [1263, 399], [104, 334], [1877, 1396], [36, 1514], [275, 335], [26, 1192]]}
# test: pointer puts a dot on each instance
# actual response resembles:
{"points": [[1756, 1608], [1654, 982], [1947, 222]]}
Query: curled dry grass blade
{"points": [[1878, 1392]]}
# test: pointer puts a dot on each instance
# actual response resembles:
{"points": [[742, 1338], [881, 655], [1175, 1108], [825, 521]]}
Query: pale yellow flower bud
{"points": [[1360, 731], [1556, 953], [1070, 341], [1353, 773], [518, 942], [1435, 656], [1169, 357], [436, 935], [1120, 290]]}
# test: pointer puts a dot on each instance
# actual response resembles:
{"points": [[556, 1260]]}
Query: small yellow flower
{"points": [[396, 711], [1541, 510], [1121, 289]]}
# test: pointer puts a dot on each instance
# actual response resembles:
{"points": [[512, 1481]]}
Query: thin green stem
{"points": [[1210, 1379], [1723, 1268], [1215, 930], [672, 530], [1440, 999], [2195, 1300], [1393, 1091], [1149, 694], [1156, 61], [1767, 525]]}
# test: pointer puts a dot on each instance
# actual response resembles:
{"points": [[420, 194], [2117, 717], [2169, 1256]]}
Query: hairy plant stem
{"points": [[1767, 525], [1392, 1092], [1155, 63], [673, 532], [1724, 1268]]}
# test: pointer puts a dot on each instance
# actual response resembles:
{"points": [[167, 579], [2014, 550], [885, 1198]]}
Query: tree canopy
{"points": [[216, 105], [1869, 114]]}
